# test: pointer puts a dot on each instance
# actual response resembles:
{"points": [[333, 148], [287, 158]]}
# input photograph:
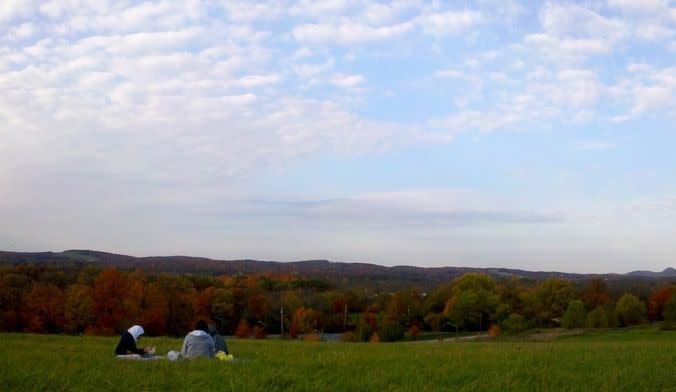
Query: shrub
{"points": [[515, 323], [374, 338], [391, 332], [415, 331], [243, 330], [433, 320], [575, 315], [259, 332], [669, 312], [630, 310], [597, 318], [348, 337], [312, 337], [293, 330], [494, 330]]}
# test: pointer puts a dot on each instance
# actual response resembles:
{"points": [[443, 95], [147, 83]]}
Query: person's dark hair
{"points": [[202, 326]]}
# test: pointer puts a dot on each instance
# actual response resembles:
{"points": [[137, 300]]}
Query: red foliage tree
{"points": [[110, 290], [243, 330], [155, 310], [657, 301], [202, 304], [42, 309], [595, 294]]}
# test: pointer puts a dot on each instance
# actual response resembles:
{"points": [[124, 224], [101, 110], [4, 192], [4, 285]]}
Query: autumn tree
{"points": [[110, 289], [179, 294], [155, 313], [42, 308], [657, 302], [202, 302], [368, 323], [243, 330], [79, 308], [595, 294], [12, 287], [223, 309]]}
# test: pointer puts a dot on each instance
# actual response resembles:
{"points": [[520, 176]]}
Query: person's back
{"points": [[198, 343]]}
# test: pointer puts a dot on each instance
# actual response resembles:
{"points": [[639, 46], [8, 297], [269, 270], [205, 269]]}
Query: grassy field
{"points": [[614, 360]]}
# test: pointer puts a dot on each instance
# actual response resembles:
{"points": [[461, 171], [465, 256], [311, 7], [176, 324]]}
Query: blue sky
{"points": [[535, 135]]}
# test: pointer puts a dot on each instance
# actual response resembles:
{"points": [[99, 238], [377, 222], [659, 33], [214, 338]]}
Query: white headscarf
{"points": [[135, 332]]}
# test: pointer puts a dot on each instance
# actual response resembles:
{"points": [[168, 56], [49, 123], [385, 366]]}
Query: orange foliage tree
{"points": [[110, 290], [657, 302], [42, 309], [155, 310]]}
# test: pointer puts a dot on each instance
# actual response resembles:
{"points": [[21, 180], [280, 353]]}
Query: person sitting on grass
{"points": [[198, 343], [128, 340], [219, 342]]}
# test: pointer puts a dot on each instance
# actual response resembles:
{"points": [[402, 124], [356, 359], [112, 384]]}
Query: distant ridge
{"points": [[667, 273], [338, 272]]}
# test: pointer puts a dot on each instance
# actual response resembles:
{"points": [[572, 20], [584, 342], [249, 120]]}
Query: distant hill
{"points": [[667, 273], [353, 274]]}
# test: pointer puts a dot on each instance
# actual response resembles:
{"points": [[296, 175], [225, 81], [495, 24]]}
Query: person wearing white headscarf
{"points": [[128, 340]]}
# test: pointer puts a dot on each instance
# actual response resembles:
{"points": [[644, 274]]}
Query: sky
{"points": [[494, 133]]}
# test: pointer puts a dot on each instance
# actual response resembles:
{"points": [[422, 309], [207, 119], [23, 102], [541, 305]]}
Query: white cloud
{"points": [[240, 11], [11, 9], [318, 8], [653, 32], [567, 49], [21, 32], [643, 7], [449, 73], [259, 80], [574, 21], [449, 22], [647, 98], [347, 33], [347, 81]]}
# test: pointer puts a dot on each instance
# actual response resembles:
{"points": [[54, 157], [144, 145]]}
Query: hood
{"points": [[135, 332], [199, 332]]}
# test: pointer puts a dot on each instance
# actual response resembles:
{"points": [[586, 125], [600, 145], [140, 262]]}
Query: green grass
{"points": [[613, 360]]}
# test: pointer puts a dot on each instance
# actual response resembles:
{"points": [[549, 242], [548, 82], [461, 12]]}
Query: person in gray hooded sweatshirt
{"points": [[198, 343]]}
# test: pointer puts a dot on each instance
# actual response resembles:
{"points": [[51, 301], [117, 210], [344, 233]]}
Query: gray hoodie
{"points": [[197, 344]]}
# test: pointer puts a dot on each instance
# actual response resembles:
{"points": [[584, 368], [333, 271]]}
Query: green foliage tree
{"points": [[473, 302], [552, 297], [669, 312], [630, 310], [223, 309], [597, 318], [515, 323], [391, 331], [78, 308], [574, 316]]}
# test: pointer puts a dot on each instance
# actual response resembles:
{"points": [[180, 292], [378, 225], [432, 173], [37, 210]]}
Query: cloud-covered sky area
{"points": [[505, 133]]}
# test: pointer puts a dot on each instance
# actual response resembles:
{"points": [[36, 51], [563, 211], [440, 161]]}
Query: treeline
{"points": [[48, 299]]}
